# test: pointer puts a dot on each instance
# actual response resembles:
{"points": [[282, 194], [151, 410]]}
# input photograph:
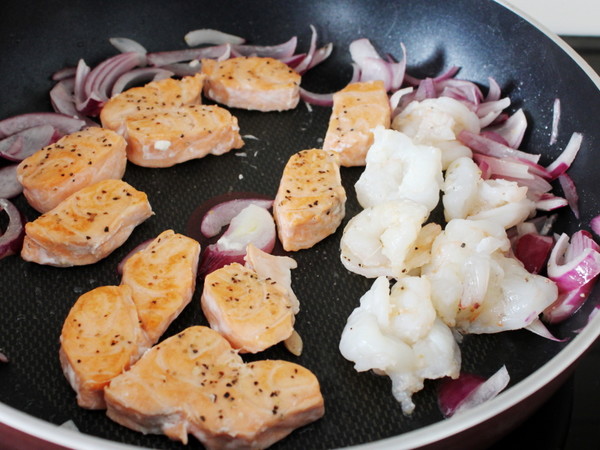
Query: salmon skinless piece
{"points": [[77, 160], [357, 109], [162, 277], [251, 312], [149, 99], [174, 136], [101, 337], [255, 83], [194, 382], [310, 201], [87, 226]]}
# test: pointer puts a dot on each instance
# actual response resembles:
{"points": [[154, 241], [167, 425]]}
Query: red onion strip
{"points": [[222, 214], [9, 184], [566, 158], [12, 239], [210, 36], [595, 225], [555, 121], [64, 124], [570, 190]]}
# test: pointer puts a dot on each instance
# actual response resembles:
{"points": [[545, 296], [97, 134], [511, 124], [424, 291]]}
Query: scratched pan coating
{"points": [[482, 37]]}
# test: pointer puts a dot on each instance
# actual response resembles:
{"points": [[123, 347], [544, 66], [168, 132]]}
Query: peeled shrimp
{"points": [[396, 168], [378, 240], [437, 122], [468, 196], [476, 287], [397, 334]]}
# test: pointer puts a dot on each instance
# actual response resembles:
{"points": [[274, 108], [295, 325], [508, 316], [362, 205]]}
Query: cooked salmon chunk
{"points": [[101, 337], [87, 226], [175, 136], [256, 83], [194, 382], [77, 160], [357, 109], [162, 277], [310, 201], [149, 99], [251, 312]]}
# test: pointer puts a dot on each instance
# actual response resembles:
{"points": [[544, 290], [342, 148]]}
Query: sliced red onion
{"points": [[12, 239], [570, 190], [550, 202], [568, 303], [396, 97], [533, 250], [280, 51], [316, 99], [538, 327], [183, 69], [3, 358], [574, 267], [160, 59], [61, 122], [64, 73], [566, 158], [512, 129], [373, 67], [485, 146], [252, 225], [494, 91], [138, 76], [555, 121], [24, 143], [222, 214], [595, 225], [304, 65], [468, 391], [9, 184], [210, 36], [126, 45], [505, 168], [136, 249], [488, 112], [93, 87]]}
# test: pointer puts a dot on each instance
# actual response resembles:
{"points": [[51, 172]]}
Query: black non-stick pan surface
{"points": [[482, 37]]}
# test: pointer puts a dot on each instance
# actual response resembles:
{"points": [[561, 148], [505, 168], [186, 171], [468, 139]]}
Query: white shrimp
{"points": [[476, 287], [396, 168], [437, 122], [468, 196], [397, 334], [378, 240]]}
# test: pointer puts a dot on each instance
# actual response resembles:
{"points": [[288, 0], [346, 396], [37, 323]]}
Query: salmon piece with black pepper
{"points": [[194, 382], [101, 337], [149, 99], [174, 136], [253, 313], [253, 82], [77, 160], [87, 226], [310, 201], [357, 109], [163, 278]]}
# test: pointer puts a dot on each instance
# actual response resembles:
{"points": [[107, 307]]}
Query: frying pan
{"points": [[484, 38]]}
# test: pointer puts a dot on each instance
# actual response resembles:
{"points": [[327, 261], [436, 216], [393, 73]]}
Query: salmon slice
{"points": [[251, 312], [196, 383], [175, 136], [310, 201], [101, 337], [149, 99], [87, 226], [77, 160], [256, 83], [162, 277], [357, 109]]}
